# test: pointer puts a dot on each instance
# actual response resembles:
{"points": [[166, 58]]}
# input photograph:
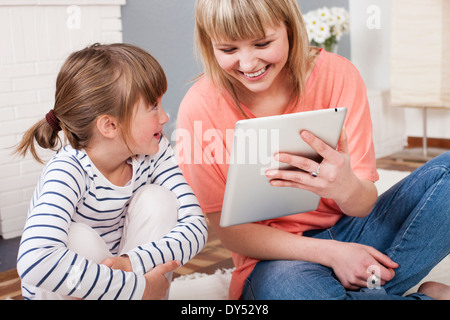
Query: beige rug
{"points": [[200, 286]]}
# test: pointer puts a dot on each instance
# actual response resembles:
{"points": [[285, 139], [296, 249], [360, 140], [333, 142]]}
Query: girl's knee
{"points": [[85, 241], [152, 214], [154, 190], [155, 199]]}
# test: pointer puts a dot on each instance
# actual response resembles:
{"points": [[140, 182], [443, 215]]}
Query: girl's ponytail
{"points": [[45, 133]]}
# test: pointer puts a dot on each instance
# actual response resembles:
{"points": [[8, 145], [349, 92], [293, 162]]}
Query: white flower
{"points": [[324, 23], [342, 19], [340, 13], [321, 32], [323, 13]]}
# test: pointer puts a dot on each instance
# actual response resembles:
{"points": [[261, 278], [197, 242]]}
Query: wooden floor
{"points": [[214, 256]]}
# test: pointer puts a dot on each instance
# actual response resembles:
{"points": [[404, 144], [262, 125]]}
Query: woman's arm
{"points": [[336, 180], [349, 261], [267, 243]]}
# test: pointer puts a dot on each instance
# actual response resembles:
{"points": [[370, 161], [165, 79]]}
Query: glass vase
{"points": [[330, 45]]}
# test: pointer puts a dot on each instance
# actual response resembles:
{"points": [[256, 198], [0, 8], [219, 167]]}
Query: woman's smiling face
{"points": [[255, 63]]}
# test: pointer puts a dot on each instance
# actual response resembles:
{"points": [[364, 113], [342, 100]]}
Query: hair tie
{"points": [[53, 121]]}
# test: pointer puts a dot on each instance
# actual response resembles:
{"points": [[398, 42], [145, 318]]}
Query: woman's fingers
{"points": [[299, 162]]}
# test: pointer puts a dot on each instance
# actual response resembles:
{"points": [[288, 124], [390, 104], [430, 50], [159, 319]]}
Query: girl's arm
{"points": [[45, 262], [190, 234]]}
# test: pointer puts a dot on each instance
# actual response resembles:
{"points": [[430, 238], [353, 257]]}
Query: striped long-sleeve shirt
{"points": [[71, 189]]}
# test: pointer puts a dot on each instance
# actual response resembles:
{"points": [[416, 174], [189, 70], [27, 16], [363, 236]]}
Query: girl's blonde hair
{"points": [[230, 20], [98, 80]]}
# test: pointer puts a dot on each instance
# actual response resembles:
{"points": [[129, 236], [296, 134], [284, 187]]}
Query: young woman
{"points": [[112, 213], [258, 62]]}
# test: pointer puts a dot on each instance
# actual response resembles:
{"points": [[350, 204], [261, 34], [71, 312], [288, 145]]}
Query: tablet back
{"points": [[249, 197]]}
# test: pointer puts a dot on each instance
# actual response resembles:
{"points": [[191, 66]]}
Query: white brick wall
{"points": [[36, 36]]}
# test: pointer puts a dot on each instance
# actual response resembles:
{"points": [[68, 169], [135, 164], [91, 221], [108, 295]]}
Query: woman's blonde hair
{"points": [[232, 20], [98, 80]]}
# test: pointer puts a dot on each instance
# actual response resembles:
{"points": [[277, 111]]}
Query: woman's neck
{"points": [[270, 102]]}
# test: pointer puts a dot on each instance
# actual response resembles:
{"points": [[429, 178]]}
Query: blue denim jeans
{"points": [[410, 223]]}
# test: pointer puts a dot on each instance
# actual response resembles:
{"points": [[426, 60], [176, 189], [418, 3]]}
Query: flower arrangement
{"points": [[326, 26]]}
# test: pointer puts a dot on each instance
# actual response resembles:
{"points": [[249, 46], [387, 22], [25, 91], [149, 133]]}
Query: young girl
{"points": [[111, 213], [258, 62]]}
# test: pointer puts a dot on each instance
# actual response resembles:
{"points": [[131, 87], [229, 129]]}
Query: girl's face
{"points": [[146, 127], [255, 63]]}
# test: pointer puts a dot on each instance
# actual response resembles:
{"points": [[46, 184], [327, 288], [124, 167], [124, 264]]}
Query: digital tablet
{"points": [[249, 197]]}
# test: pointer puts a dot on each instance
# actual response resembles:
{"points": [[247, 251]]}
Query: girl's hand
{"points": [[122, 262], [156, 281], [355, 265]]}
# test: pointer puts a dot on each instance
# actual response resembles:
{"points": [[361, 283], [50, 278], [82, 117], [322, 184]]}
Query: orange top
{"points": [[206, 122]]}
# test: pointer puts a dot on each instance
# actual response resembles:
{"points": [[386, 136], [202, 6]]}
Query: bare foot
{"points": [[435, 290]]}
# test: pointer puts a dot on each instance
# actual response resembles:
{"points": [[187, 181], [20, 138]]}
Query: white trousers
{"points": [[152, 213]]}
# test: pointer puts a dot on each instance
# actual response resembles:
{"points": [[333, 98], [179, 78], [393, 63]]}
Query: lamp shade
{"points": [[420, 53]]}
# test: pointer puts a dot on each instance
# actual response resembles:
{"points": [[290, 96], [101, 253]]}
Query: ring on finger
{"points": [[374, 279], [315, 174]]}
